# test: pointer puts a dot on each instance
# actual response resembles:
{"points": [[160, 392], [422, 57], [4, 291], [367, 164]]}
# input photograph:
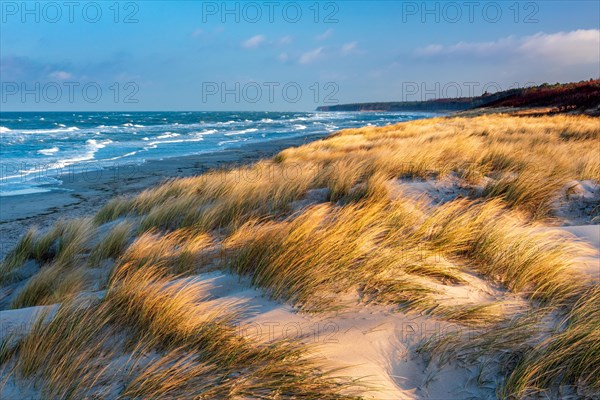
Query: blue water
{"points": [[35, 148]]}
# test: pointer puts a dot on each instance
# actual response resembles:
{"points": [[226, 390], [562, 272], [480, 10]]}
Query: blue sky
{"points": [[193, 55]]}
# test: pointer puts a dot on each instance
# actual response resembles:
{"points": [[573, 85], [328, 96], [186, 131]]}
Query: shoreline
{"points": [[81, 194]]}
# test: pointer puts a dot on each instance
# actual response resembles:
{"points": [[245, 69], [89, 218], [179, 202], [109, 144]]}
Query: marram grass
{"points": [[315, 226]]}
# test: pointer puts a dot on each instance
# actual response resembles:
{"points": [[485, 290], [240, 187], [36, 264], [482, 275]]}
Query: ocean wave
{"points": [[225, 123], [228, 141], [96, 145], [51, 131], [167, 135], [206, 132], [241, 132], [155, 143], [49, 152], [62, 142], [132, 153], [92, 146]]}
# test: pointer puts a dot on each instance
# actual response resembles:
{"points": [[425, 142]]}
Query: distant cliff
{"points": [[439, 105], [581, 96]]}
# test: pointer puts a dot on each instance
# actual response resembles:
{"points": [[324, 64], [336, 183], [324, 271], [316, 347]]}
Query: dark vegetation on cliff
{"points": [[582, 97]]}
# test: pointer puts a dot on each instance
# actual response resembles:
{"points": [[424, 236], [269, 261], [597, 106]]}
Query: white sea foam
{"points": [[167, 135], [48, 152], [4, 129], [51, 131], [154, 144], [241, 132], [92, 146], [96, 145]]}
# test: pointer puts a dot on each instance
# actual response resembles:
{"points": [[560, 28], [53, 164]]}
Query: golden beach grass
{"points": [[365, 238]]}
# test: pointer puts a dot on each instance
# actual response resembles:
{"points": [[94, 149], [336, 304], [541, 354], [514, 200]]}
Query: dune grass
{"points": [[181, 251], [366, 240], [172, 343], [62, 244], [386, 251], [53, 284], [569, 357], [113, 244], [533, 358], [516, 154]]}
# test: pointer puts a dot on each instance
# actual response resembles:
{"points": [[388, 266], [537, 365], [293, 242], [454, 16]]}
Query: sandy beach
{"points": [[83, 194]]}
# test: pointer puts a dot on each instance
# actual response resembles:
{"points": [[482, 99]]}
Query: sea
{"points": [[36, 148]]}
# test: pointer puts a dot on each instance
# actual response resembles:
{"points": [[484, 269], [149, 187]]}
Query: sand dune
{"points": [[436, 259]]}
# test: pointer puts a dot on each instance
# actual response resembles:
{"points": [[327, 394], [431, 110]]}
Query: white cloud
{"points": [[310, 56], [325, 35], [61, 75], [284, 40], [350, 48], [564, 48], [254, 41], [575, 47], [283, 57], [197, 32]]}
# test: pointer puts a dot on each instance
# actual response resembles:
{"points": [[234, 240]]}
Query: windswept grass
{"points": [[181, 251], [529, 191], [53, 284], [173, 343], [113, 244], [525, 257], [569, 357], [534, 359], [365, 240], [62, 244], [19, 254], [386, 249]]}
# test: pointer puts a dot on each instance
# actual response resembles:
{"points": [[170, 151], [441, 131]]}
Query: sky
{"points": [[284, 56]]}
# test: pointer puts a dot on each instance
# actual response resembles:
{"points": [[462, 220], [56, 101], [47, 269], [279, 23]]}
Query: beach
{"points": [[399, 262], [352, 200], [83, 193]]}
